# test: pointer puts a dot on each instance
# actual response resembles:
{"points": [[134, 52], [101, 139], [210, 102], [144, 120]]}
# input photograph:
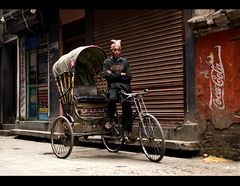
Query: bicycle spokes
{"points": [[150, 129], [62, 137], [152, 138]]}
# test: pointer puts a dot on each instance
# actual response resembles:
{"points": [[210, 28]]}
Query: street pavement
{"points": [[19, 157]]}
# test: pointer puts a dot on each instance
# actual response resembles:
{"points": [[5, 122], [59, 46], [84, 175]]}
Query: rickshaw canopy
{"points": [[91, 56]]}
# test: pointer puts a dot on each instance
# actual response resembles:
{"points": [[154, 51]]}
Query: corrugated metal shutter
{"points": [[153, 44]]}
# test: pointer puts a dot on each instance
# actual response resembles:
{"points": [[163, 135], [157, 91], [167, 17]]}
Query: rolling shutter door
{"points": [[153, 44]]}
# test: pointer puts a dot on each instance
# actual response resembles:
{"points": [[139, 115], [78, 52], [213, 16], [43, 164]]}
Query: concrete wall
{"points": [[218, 90]]}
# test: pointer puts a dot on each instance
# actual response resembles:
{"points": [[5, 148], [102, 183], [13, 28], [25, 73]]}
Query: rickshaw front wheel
{"points": [[62, 138]]}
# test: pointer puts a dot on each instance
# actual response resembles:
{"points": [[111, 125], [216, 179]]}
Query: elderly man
{"points": [[118, 75]]}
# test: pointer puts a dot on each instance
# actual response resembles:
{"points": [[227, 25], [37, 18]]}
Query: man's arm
{"points": [[109, 75], [127, 75]]}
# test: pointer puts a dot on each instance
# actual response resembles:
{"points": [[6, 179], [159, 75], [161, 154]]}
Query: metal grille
{"points": [[152, 41]]}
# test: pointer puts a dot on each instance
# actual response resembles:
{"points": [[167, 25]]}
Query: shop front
{"points": [[160, 51], [37, 49]]}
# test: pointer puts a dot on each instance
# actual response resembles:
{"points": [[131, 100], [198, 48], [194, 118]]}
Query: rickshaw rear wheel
{"points": [[62, 138]]}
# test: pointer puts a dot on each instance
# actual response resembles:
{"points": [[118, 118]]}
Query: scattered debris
{"points": [[214, 159]]}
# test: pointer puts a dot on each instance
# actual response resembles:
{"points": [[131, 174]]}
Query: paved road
{"points": [[27, 157]]}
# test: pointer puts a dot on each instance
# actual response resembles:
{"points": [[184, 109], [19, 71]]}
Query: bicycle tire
{"points": [[152, 138], [62, 138], [113, 138]]}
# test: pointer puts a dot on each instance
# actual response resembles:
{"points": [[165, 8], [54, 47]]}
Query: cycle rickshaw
{"points": [[82, 89]]}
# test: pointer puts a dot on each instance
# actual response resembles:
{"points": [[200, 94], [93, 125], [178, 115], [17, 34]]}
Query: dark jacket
{"points": [[115, 80]]}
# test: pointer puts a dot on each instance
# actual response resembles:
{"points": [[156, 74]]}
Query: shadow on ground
{"points": [[129, 148]]}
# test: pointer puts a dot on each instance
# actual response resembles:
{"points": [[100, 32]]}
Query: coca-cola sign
{"points": [[217, 80]]}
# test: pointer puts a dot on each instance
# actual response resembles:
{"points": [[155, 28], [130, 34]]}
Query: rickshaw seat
{"points": [[90, 99]]}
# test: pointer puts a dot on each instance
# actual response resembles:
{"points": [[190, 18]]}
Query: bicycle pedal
{"points": [[109, 125]]}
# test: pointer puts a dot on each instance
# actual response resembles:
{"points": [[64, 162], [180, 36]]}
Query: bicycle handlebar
{"points": [[134, 94]]}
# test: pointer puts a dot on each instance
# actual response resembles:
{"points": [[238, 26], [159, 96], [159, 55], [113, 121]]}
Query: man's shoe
{"points": [[108, 125]]}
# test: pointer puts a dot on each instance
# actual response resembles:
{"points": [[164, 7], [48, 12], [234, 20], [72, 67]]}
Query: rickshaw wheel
{"points": [[62, 138], [113, 138]]}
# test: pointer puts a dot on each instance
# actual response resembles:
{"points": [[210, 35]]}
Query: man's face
{"points": [[116, 51]]}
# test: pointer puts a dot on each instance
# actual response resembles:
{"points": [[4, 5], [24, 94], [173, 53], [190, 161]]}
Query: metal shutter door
{"points": [[152, 41]]}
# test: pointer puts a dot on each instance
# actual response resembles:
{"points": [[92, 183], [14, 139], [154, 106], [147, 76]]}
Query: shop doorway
{"points": [[9, 83]]}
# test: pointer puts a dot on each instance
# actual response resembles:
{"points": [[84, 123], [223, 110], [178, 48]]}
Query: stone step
{"points": [[6, 133], [8, 126]]}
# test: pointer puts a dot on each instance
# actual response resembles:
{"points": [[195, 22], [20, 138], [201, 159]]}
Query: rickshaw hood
{"points": [[91, 55]]}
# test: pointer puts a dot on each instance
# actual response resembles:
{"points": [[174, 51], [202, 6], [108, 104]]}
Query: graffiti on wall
{"points": [[217, 79]]}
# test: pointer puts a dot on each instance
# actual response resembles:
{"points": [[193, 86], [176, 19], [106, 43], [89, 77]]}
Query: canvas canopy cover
{"points": [[85, 59]]}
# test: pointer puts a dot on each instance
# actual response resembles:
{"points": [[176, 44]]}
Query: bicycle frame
{"points": [[150, 133], [140, 106]]}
